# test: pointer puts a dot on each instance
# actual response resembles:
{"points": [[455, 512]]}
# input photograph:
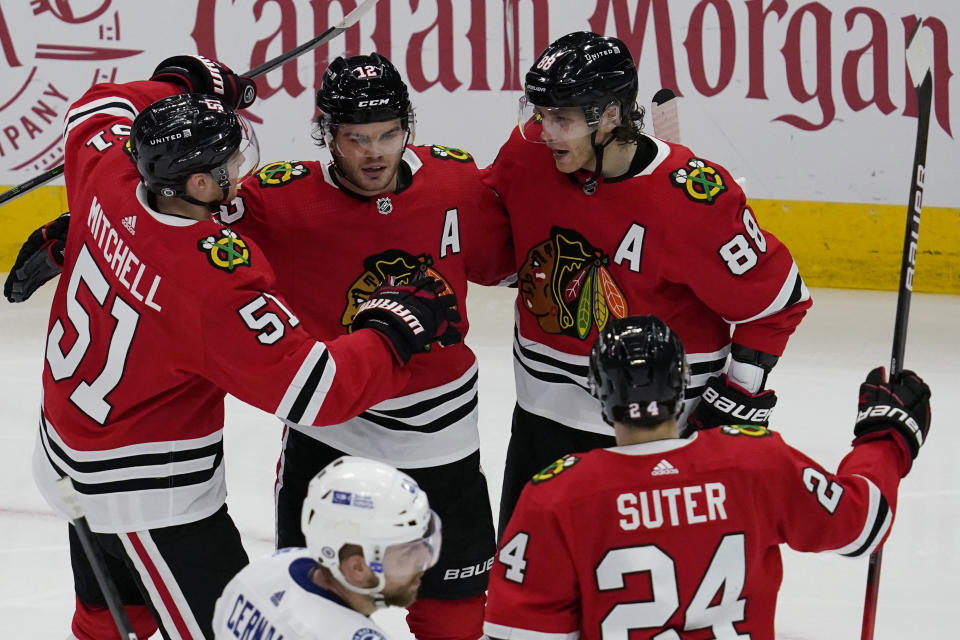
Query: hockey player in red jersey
{"points": [[387, 212], [160, 312], [608, 221], [383, 212], [669, 538]]}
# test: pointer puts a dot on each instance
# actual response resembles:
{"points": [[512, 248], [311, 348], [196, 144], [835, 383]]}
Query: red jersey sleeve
{"points": [[849, 512], [487, 235], [738, 269], [257, 351], [533, 592]]}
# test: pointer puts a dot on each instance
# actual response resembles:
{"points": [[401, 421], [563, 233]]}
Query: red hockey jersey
{"points": [[676, 240], [679, 538], [154, 319], [331, 248]]}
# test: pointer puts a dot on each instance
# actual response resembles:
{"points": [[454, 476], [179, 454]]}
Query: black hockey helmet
{"points": [[362, 89], [178, 136], [586, 70], [638, 371]]}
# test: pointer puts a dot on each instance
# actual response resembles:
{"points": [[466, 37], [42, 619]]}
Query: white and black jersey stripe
{"points": [[794, 290], [304, 397], [135, 487], [423, 429], [112, 106], [876, 524]]}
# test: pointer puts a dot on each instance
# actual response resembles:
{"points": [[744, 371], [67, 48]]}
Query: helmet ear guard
{"points": [[638, 371]]}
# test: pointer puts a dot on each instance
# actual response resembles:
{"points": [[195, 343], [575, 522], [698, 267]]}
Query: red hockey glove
{"points": [[39, 260], [724, 402], [196, 74], [900, 407], [411, 317]]}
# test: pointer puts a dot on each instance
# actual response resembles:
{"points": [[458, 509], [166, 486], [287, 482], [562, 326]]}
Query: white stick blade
{"points": [[71, 499], [918, 58], [351, 18]]}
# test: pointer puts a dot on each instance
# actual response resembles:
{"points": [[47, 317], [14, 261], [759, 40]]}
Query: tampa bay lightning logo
{"points": [[368, 634]]}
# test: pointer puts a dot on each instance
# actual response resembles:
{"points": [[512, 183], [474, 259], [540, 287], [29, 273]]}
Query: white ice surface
{"points": [[845, 334]]}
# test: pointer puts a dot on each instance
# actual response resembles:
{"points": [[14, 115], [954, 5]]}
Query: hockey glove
{"points": [[724, 402], [39, 260], [901, 407], [411, 317], [196, 74]]}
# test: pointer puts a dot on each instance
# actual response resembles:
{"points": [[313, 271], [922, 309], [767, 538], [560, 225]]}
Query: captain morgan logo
{"points": [[227, 252], [51, 51]]}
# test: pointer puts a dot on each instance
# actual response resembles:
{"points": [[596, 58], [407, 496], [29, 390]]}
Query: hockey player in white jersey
{"points": [[370, 535]]}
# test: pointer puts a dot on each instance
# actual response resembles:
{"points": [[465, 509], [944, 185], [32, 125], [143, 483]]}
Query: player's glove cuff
{"points": [[724, 402]]}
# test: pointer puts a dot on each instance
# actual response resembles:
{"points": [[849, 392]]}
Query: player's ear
{"points": [[355, 569], [610, 118], [198, 184]]}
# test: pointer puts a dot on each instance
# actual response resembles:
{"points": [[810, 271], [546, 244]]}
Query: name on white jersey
{"points": [[246, 622], [693, 504], [120, 258]]}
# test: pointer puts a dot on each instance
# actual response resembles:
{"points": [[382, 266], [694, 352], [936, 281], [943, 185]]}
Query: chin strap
{"points": [[590, 186]]}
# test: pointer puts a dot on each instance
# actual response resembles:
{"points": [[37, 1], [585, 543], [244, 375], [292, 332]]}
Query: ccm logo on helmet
{"points": [[373, 103], [710, 396]]}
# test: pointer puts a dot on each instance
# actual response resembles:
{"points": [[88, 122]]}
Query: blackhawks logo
{"points": [[566, 283], [554, 469], [700, 182], [450, 153], [391, 267], [227, 252], [277, 174], [752, 430]]}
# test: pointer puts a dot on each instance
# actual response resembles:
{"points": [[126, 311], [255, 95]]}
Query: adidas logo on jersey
{"points": [[275, 598], [129, 223], [664, 468]]}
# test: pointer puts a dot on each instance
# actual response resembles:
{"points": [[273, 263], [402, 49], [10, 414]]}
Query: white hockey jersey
{"points": [[274, 599]]}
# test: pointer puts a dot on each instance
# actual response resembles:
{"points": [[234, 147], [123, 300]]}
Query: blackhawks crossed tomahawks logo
{"points": [[701, 182], [227, 252]]}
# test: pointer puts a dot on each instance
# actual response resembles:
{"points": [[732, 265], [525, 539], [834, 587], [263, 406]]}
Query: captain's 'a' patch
{"points": [[277, 174]]}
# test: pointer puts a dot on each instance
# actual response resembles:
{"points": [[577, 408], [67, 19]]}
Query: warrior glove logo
{"points": [[396, 309]]}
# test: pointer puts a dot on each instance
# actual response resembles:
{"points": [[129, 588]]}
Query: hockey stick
{"points": [[72, 501], [663, 112], [918, 62], [348, 21]]}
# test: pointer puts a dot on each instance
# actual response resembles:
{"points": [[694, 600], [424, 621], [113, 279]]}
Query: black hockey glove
{"points": [[901, 407], [196, 74], [724, 402], [39, 260], [411, 317]]}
